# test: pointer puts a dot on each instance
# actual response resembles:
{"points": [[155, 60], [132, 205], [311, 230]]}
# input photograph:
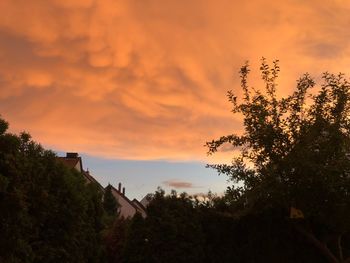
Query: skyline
{"points": [[142, 177], [144, 82]]}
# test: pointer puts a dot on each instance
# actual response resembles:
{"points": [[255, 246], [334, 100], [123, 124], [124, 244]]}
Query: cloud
{"points": [[147, 79], [178, 184]]}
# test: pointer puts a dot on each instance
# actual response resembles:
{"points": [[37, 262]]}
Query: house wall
{"points": [[140, 209], [146, 200], [126, 209], [78, 167]]}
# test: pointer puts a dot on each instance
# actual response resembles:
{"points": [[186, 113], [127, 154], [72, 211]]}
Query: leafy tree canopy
{"points": [[110, 203], [48, 212], [294, 151]]}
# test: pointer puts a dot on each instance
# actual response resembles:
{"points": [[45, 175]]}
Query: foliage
{"points": [[48, 213], [171, 232], [110, 204], [115, 240], [179, 228], [294, 152]]}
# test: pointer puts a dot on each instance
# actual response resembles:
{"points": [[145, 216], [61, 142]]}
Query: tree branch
{"points": [[318, 244], [340, 249]]}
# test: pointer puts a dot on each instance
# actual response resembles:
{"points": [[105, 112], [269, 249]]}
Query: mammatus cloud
{"points": [[178, 184], [147, 79]]}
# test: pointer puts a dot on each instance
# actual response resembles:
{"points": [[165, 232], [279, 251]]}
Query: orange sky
{"points": [[146, 79]]}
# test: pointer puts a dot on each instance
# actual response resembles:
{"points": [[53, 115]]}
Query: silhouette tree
{"points": [[115, 240], [171, 232], [294, 155], [48, 213], [110, 203]]}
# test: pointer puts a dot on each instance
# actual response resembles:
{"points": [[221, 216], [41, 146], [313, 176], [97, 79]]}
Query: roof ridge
{"points": [[125, 197]]}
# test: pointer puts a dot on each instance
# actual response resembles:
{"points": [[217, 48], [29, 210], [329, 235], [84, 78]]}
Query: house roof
{"points": [[71, 162], [91, 179], [146, 200], [127, 199], [135, 201]]}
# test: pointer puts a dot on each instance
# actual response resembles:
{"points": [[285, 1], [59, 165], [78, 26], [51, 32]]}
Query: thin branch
{"points": [[340, 249], [318, 244]]}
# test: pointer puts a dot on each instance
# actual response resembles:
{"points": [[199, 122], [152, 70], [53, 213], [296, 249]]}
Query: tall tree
{"points": [[294, 154], [48, 213], [110, 203]]}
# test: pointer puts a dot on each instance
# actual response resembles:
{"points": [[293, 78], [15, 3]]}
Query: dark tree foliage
{"points": [[253, 238], [171, 232], [115, 240], [110, 204], [48, 213], [294, 152], [183, 229]]}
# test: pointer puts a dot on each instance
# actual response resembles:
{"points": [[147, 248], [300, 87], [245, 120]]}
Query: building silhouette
{"points": [[127, 208]]}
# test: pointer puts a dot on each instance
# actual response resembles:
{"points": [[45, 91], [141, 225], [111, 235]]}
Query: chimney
{"points": [[71, 155], [119, 187], [123, 190]]}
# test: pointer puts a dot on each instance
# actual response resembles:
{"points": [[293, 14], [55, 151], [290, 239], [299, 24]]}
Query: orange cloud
{"points": [[147, 79], [178, 184]]}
